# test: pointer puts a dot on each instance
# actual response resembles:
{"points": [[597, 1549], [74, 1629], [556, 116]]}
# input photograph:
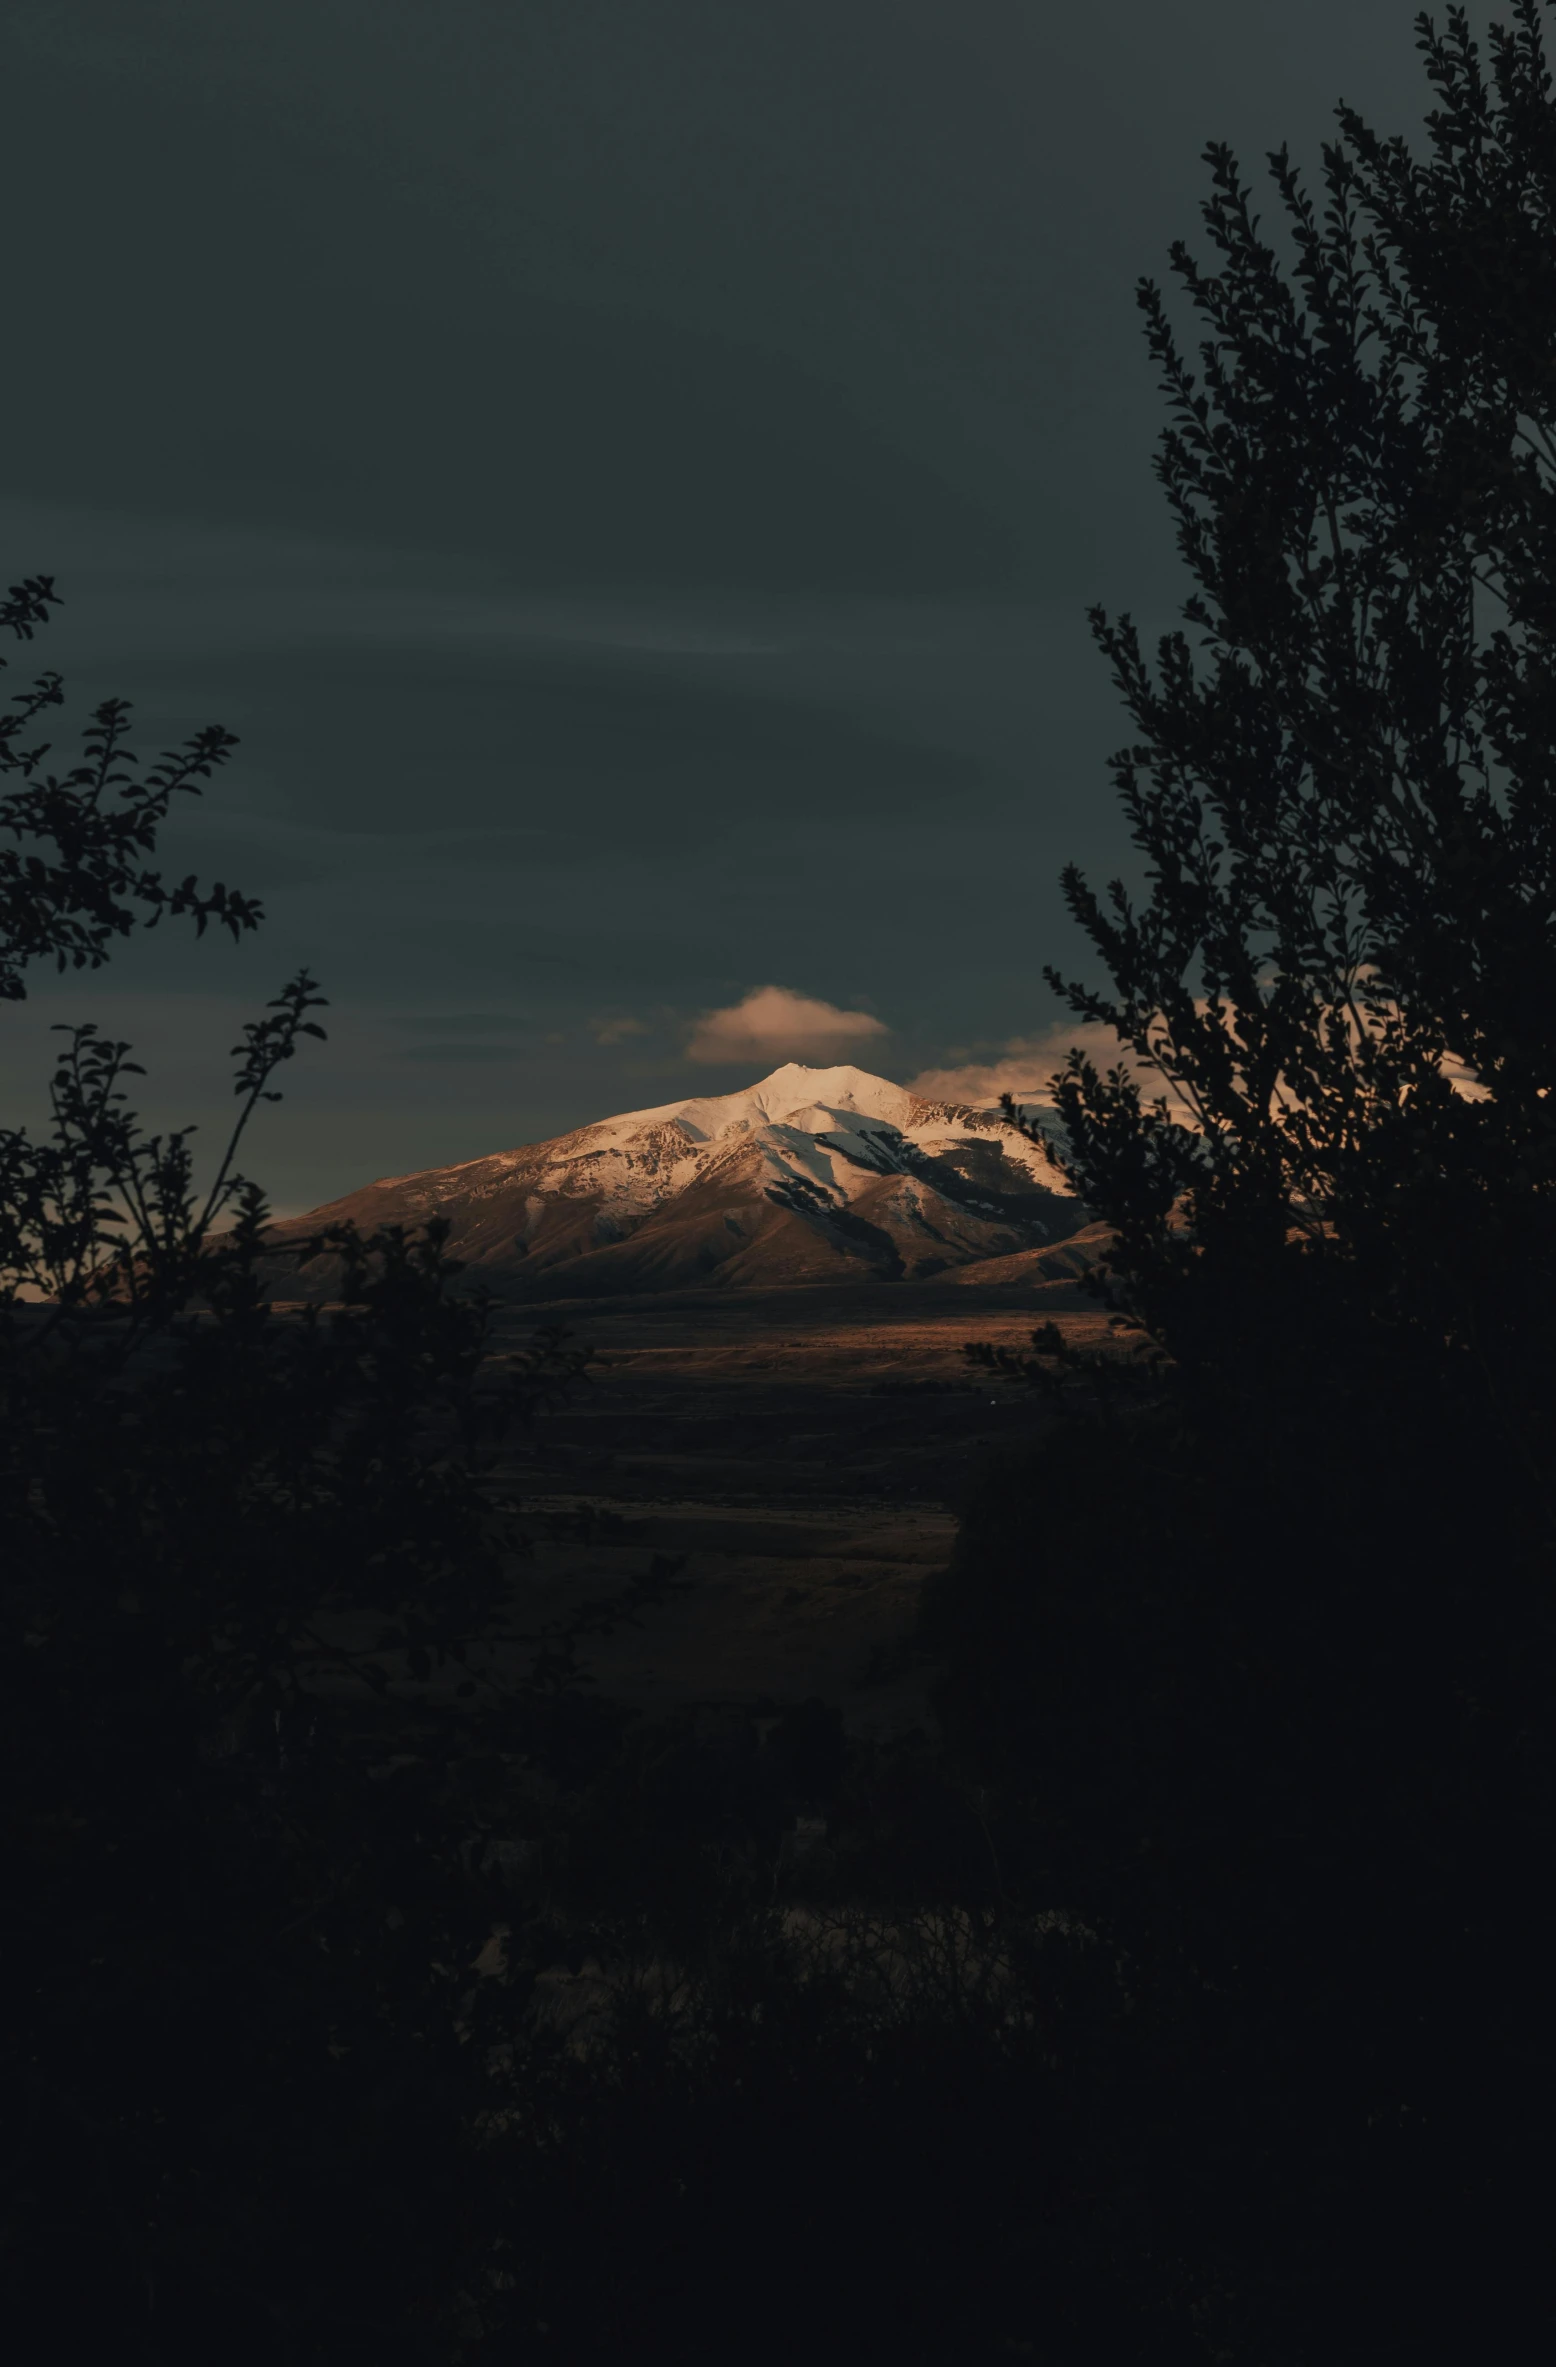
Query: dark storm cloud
{"points": [[633, 477]]}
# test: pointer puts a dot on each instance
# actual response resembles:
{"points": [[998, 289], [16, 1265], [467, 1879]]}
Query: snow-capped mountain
{"points": [[813, 1175]]}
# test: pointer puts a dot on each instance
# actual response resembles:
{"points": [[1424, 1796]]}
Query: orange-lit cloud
{"points": [[1026, 1063], [772, 1023], [1024, 1066], [616, 1031]]}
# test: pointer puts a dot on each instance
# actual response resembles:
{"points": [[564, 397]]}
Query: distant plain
{"points": [[803, 1453]]}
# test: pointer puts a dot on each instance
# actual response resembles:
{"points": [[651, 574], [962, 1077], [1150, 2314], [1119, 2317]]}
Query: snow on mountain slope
{"points": [[809, 1175]]}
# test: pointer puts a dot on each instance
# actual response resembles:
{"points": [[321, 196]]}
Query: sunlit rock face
{"points": [[812, 1175]]}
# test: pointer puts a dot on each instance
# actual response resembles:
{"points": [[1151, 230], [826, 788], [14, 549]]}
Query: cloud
{"points": [[773, 1023], [1026, 1063], [1023, 1067], [616, 1031]]}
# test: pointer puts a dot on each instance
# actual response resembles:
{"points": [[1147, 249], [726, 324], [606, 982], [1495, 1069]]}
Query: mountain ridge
{"points": [[809, 1175]]}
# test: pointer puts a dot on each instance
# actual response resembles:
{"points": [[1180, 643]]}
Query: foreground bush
{"points": [[302, 1893]]}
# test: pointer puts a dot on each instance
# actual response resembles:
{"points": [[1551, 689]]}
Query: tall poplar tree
{"points": [[1266, 1669], [1342, 779]]}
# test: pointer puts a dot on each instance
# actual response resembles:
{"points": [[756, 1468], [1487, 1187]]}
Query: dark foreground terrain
{"points": [[801, 1452]]}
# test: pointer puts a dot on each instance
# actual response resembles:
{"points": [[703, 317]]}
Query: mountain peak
{"points": [[810, 1174], [823, 1084], [793, 1094]]}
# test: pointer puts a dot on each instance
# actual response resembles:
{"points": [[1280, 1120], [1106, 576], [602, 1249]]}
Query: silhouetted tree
{"points": [[1343, 788], [1265, 1669], [236, 2092], [75, 876], [300, 1872]]}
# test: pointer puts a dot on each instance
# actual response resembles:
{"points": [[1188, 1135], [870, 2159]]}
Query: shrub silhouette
{"points": [[1262, 1667], [240, 1909], [372, 1991]]}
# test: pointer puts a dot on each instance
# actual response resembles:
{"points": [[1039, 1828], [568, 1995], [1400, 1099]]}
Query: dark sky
{"points": [[633, 473]]}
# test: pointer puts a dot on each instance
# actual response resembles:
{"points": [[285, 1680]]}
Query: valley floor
{"points": [[802, 1453]]}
